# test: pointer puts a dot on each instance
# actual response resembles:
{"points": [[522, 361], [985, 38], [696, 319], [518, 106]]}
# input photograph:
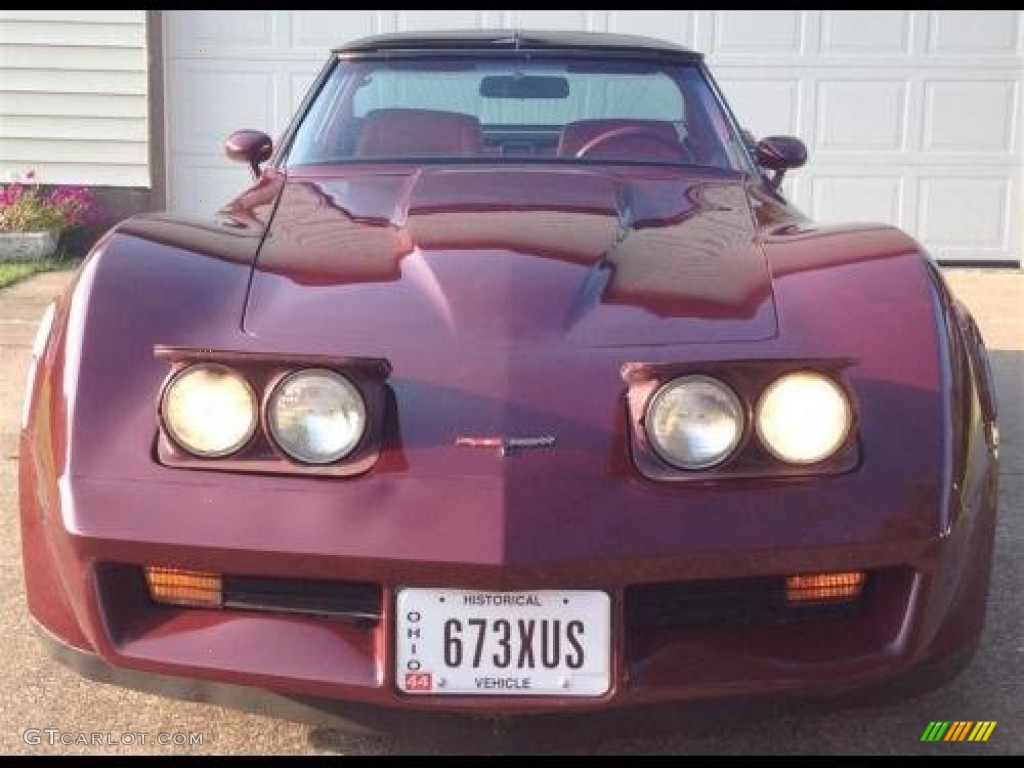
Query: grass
{"points": [[12, 272]]}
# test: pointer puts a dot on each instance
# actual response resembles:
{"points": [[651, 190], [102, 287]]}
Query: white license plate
{"points": [[549, 643]]}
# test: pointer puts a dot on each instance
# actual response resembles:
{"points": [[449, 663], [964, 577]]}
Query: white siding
{"points": [[73, 96], [911, 117]]}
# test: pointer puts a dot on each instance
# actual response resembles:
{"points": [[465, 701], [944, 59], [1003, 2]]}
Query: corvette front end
{"points": [[499, 440]]}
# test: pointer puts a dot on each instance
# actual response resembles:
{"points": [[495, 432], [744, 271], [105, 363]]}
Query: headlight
{"points": [[803, 418], [316, 416], [209, 410], [694, 422]]}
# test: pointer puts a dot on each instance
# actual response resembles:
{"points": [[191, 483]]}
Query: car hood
{"points": [[367, 260]]}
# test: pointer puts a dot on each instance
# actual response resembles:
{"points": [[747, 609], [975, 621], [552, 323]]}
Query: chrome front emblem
{"points": [[507, 445]]}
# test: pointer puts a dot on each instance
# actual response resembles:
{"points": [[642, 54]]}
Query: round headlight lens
{"points": [[317, 416], [695, 422], [803, 418], [209, 410]]}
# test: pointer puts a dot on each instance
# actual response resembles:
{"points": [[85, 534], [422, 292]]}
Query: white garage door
{"points": [[911, 117]]}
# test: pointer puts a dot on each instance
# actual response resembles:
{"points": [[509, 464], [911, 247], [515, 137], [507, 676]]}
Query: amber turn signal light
{"points": [[824, 587], [177, 587]]}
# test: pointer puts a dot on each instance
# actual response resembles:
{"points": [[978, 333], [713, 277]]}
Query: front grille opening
{"points": [[354, 602], [345, 600], [732, 602]]}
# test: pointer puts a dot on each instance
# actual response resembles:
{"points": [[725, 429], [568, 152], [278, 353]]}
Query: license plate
{"points": [[548, 643]]}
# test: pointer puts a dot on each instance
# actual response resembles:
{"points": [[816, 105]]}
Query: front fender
{"points": [[91, 390]]}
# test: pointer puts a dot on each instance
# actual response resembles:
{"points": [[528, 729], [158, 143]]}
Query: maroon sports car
{"points": [[513, 384]]}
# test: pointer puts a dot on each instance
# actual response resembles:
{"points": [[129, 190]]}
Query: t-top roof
{"points": [[484, 40]]}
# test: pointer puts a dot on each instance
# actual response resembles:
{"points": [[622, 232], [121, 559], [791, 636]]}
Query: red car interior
{"points": [[419, 132], [576, 136]]}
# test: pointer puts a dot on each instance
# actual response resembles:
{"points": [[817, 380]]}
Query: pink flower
{"points": [[10, 194], [25, 207], [27, 177], [75, 203]]}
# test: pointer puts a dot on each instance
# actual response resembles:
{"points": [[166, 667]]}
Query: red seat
{"points": [[418, 133], [575, 136]]}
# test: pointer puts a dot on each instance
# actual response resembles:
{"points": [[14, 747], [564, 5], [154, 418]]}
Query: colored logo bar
{"points": [[958, 730]]}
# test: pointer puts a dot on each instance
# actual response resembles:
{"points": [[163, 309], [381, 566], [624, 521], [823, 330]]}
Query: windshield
{"points": [[506, 110]]}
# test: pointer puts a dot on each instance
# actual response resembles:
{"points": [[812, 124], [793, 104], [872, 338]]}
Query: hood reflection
{"points": [[597, 258]]}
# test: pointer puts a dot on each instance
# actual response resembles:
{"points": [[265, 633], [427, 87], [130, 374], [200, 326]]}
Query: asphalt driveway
{"points": [[36, 693]]}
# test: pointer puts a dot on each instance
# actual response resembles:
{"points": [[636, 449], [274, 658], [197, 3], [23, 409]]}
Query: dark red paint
{"points": [[510, 301]]}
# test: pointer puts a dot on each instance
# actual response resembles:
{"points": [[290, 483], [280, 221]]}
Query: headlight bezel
{"points": [[747, 378], [273, 390], [176, 438], [730, 393], [262, 370]]}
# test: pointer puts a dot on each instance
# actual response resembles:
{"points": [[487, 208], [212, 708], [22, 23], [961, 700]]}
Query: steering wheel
{"points": [[629, 138]]}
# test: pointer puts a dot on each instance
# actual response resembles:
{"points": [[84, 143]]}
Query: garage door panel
{"points": [[758, 33], [317, 32], [215, 34], [861, 115], [585, 20], [411, 20], [846, 33], [960, 215], [763, 106], [203, 189], [845, 198], [674, 26], [978, 33], [970, 117], [212, 104]]}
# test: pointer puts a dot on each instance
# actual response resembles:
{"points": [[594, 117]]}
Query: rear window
{"points": [[651, 96], [513, 109]]}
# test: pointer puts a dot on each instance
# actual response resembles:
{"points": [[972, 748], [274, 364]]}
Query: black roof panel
{"points": [[511, 39]]}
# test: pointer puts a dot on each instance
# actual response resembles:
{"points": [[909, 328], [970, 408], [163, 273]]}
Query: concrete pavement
{"points": [[38, 693]]}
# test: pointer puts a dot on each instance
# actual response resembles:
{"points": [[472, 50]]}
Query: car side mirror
{"points": [[247, 146], [780, 154]]}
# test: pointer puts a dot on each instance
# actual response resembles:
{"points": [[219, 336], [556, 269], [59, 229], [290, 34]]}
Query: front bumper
{"points": [[572, 728], [924, 613]]}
